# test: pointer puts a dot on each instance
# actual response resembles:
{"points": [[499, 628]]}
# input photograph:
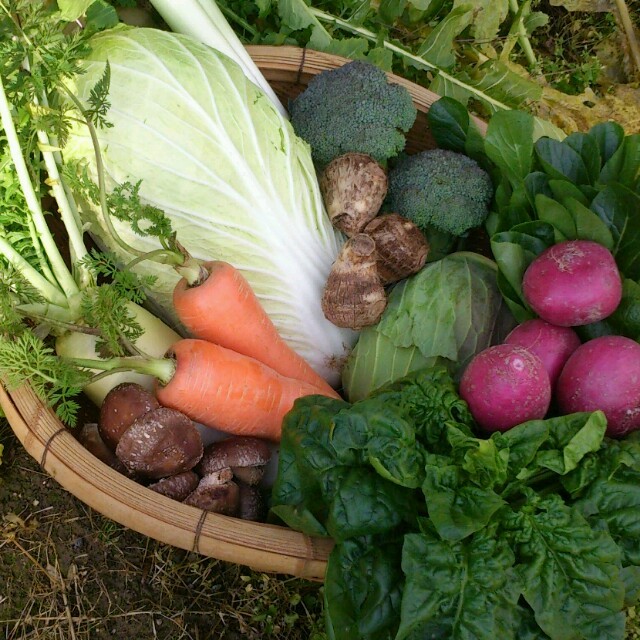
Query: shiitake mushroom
{"points": [[121, 407], [160, 443]]}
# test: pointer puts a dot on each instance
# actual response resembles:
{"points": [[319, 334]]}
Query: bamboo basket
{"points": [[260, 546]]}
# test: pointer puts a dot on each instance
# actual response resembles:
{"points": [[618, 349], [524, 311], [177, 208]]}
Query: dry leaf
{"points": [[585, 5], [580, 113]]}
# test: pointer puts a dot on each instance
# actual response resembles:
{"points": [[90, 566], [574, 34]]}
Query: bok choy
{"points": [[212, 151]]}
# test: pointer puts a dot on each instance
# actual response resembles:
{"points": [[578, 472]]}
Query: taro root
{"points": [[124, 404], [353, 187], [251, 503], [216, 492], [244, 455], [177, 487], [354, 296], [401, 247], [163, 442]]}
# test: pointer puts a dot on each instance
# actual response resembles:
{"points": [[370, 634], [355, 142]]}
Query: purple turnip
{"points": [[604, 373], [573, 283], [505, 385], [552, 344]]}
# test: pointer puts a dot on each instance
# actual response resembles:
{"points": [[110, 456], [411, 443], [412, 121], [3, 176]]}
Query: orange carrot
{"points": [[224, 309], [228, 391]]}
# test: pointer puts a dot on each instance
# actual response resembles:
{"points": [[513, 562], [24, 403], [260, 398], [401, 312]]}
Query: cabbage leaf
{"points": [[212, 152], [446, 313]]}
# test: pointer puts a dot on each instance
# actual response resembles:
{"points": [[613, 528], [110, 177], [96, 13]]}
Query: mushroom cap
{"points": [[124, 404], [216, 492], [178, 486], [162, 442], [236, 452]]}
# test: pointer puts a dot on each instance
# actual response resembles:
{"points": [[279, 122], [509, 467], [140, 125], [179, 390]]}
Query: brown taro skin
{"points": [[505, 385], [573, 283], [604, 373]]}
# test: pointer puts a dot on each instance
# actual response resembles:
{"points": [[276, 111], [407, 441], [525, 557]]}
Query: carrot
{"points": [[224, 309], [234, 393]]}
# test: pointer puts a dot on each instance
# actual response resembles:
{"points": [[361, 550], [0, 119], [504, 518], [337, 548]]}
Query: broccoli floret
{"points": [[441, 189], [353, 108]]}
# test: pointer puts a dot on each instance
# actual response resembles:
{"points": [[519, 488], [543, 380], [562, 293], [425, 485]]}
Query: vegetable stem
{"points": [[522, 34], [203, 20], [104, 207], [163, 369], [49, 291], [60, 270], [370, 35]]}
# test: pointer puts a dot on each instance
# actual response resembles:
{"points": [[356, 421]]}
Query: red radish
{"points": [[552, 344], [505, 385], [573, 283], [604, 373]]}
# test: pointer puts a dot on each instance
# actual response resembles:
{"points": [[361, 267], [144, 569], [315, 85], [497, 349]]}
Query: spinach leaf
{"points": [[617, 207], [569, 438], [457, 507], [363, 589], [613, 497], [459, 591], [305, 454], [570, 572], [361, 502], [383, 438], [560, 160]]}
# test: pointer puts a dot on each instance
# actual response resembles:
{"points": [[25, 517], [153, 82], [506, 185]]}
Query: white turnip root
{"points": [[573, 283], [552, 344], [604, 373], [505, 385]]}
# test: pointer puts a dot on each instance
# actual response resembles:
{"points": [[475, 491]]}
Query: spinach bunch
{"points": [[585, 186], [531, 533]]}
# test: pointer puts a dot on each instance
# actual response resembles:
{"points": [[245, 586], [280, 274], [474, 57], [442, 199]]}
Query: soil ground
{"points": [[68, 573]]}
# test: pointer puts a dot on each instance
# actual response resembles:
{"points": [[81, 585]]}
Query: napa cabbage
{"points": [[215, 154]]}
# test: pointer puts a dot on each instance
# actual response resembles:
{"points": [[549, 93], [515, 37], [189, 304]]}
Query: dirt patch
{"points": [[67, 572]]}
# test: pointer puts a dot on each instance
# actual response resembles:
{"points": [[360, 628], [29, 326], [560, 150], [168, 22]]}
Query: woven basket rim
{"points": [[263, 547]]}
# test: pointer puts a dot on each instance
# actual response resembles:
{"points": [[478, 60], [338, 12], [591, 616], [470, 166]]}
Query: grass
{"points": [[67, 572]]}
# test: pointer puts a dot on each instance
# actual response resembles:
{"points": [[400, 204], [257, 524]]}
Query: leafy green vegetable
{"points": [[210, 150], [531, 533], [585, 186], [449, 311]]}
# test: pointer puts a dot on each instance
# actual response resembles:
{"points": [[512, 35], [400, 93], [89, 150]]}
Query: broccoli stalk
{"points": [[353, 108], [440, 189]]}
